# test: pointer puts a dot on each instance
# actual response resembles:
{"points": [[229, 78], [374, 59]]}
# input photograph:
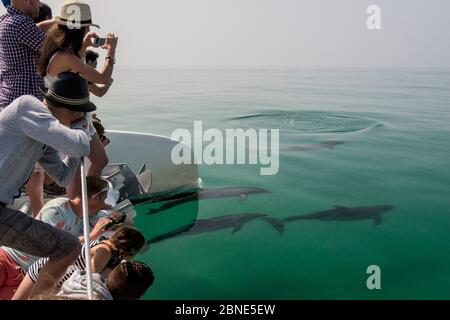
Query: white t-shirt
{"points": [[57, 213]]}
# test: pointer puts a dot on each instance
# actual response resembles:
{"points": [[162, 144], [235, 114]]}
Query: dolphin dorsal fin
{"points": [[377, 220], [237, 228]]}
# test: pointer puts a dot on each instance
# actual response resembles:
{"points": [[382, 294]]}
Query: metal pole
{"points": [[86, 228]]}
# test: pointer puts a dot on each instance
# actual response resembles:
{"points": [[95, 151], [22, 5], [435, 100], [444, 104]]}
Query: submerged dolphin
{"points": [[277, 224], [212, 193], [340, 213], [235, 222], [312, 147]]}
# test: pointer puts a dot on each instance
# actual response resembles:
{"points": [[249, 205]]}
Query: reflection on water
{"points": [[306, 122], [182, 196]]}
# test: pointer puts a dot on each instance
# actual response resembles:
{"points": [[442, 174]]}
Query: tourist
{"points": [[34, 132], [64, 50], [124, 244]]}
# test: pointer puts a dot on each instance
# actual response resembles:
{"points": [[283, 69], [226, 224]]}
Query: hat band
{"points": [[89, 21], [76, 102]]}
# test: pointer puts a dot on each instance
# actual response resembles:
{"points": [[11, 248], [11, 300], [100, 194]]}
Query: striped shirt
{"points": [[80, 264], [20, 41]]}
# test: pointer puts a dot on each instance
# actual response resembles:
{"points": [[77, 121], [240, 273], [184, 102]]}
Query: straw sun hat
{"points": [[75, 14]]}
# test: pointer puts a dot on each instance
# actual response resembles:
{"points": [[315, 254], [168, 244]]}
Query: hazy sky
{"points": [[312, 33]]}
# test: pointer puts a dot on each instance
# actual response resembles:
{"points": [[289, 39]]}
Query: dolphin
{"points": [[277, 224], [212, 193], [312, 147], [340, 213], [235, 222]]}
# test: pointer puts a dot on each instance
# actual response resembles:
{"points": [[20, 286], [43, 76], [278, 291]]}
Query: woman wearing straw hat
{"points": [[64, 50]]}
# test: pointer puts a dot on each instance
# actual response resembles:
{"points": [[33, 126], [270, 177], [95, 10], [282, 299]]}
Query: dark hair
{"points": [[45, 13], [130, 280], [60, 38], [91, 56], [126, 241], [95, 185]]}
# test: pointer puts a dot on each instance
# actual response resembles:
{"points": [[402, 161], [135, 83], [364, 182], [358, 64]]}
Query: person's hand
{"points": [[106, 206], [115, 216], [89, 40], [111, 42], [99, 228], [105, 140]]}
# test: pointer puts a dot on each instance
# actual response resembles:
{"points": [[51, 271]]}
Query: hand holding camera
{"points": [[89, 40], [110, 43], [99, 42]]}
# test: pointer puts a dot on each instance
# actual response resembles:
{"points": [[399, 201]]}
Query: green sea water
{"points": [[394, 125]]}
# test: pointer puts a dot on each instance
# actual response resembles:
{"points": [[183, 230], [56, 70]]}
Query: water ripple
{"points": [[307, 122]]}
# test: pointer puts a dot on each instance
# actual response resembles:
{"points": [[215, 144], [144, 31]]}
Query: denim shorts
{"points": [[21, 232]]}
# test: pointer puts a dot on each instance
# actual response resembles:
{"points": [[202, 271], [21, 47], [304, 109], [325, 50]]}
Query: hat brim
{"points": [[86, 107], [81, 25]]}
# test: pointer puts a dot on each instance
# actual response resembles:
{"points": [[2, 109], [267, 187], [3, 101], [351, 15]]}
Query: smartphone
{"points": [[99, 42], [125, 208], [114, 222], [126, 211]]}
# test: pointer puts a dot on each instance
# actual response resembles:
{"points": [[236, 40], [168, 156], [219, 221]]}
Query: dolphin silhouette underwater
{"points": [[210, 193], [235, 222], [312, 147], [340, 213]]}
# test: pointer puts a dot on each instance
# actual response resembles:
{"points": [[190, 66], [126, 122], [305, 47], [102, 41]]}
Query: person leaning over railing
{"points": [[130, 280], [66, 215], [34, 132], [106, 253]]}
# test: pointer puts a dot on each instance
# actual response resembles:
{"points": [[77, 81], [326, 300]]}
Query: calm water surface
{"points": [[394, 125]]}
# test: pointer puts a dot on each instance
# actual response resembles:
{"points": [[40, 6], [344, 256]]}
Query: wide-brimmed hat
{"points": [[70, 91], [75, 14]]}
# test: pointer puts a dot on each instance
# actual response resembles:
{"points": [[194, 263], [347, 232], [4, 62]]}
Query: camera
{"points": [[99, 42], [126, 212]]}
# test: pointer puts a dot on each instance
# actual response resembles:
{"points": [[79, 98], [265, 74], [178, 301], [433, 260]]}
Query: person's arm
{"points": [[61, 171], [67, 61], [100, 258], [97, 231], [99, 91], [46, 25], [39, 124]]}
